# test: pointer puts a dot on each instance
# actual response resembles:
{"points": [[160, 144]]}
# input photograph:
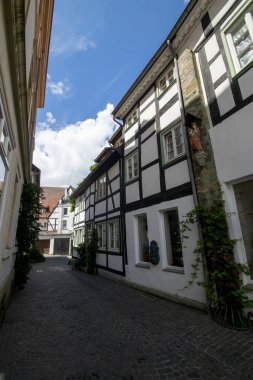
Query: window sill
{"points": [[243, 71], [143, 265], [174, 269], [175, 160]]}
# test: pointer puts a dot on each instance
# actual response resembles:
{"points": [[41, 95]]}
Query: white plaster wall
{"points": [[116, 199], [211, 48], [177, 175], [114, 214], [246, 83], [131, 131], [217, 68], [151, 181], [113, 171], [115, 185], [156, 277], [100, 207], [149, 151], [232, 145], [167, 96], [130, 147], [148, 132], [147, 98], [115, 262], [132, 192], [91, 215], [110, 205], [101, 259], [170, 115], [224, 97], [148, 114]]}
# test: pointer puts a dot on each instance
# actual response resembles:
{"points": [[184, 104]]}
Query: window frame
{"points": [[131, 157], [130, 119], [63, 222], [5, 145], [101, 187], [109, 247], [242, 13], [168, 81], [65, 213], [141, 255], [163, 136], [170, 256], [103, 235]]}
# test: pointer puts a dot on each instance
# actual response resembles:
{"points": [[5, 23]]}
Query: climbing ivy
{"points": [[223, 285], [91, 250]]}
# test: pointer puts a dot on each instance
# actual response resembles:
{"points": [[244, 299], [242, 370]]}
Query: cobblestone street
{"points": [[69, 325]]}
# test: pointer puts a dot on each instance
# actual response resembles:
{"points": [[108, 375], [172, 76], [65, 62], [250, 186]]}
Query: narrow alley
{"points": [[69, 325]]}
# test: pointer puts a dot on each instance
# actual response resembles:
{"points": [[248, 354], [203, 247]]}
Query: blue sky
{"points": [[98, 48]]}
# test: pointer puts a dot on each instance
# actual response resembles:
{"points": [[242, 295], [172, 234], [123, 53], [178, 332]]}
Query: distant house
{"points": [[25, 29], [56, 221]]}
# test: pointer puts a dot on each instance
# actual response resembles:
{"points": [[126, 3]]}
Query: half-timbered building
{"points": [[98, 204]]}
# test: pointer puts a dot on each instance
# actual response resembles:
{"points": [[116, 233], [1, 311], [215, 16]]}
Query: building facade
{"points": [[56, 221], [25, 28]]}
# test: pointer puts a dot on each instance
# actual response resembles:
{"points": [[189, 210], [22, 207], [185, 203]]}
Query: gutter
{"points": [[170, 37]]}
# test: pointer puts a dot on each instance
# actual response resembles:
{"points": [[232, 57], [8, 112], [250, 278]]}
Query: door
{"points": [[61, 246]]}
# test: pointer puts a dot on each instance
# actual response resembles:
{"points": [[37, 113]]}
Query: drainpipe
{"points": [[185, 134]]}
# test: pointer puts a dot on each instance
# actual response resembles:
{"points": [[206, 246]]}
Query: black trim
{"points": [[246, 102], [105, 214], [175, 161], [162, 175], [111, 270], [206, 24], [146, 126], [139, 163], [150, 164], [214, 58], [220, 80], [168, 105], [130, 153], [114, 178], [174, 193], [132, 181], [148, 137], [147, 106], [111, 196]]}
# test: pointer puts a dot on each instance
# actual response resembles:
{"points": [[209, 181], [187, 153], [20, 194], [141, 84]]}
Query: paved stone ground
{"points": [[68, 325]]}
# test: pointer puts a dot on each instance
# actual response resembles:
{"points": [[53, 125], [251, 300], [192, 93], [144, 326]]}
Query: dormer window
{"points": [[131, 119], [165, 80]]}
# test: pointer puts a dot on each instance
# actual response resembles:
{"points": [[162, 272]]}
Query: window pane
{"points": [[135, 165], [129, 168], [243, 44], [179, 140], [173, 240], [162, 84], [143, 238], [169, 146], [2, 175]]}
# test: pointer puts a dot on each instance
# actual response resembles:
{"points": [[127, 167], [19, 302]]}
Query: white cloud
{"points": [[72, 44], [64, 156], [60, 88]]}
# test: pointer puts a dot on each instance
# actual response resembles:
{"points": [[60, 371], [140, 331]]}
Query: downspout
{"points": [[185, 134]]}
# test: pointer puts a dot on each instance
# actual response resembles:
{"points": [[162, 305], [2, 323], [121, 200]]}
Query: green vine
{"points": [[91, 250], [223, 285], [27, 230], [72, 203]]}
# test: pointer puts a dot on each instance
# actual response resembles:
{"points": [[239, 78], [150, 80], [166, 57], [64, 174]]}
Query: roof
{"points": [[158, 53], [51, 197], [117, 134], [113, 155]]}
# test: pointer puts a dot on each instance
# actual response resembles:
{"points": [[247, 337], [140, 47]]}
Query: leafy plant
{"points": [[223, 285], [72, 203], [81, 249], [27, 231], [91, 250], [35, 255]]}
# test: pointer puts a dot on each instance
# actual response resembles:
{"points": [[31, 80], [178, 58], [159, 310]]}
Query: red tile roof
{"points": [[51, 197]]}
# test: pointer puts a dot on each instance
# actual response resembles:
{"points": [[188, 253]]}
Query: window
{"points": [[101, 187], [172, 143], [45, 225], [132, 171], [5, 148], [131, 119], [244, 201], [173, 239], [113, 235], [101, 230], [143, 237], [165, 80], [65, 211], [239, 39], [64, 224]]}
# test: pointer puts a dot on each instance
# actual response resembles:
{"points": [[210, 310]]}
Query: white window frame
{"points": [[115, 238], [168, 77], [131, 119], [164, 135], [243, 13], [131, 158], [101, 187], [101, 231], [63, 223]]}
